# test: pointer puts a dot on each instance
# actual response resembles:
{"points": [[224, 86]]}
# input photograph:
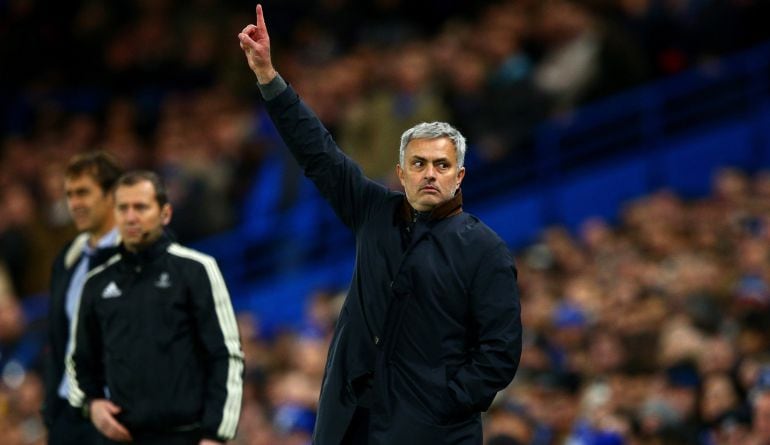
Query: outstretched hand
{"points": [[255, 43]]}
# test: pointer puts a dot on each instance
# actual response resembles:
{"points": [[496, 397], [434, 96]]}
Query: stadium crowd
{"points": [[649, 332], [653, 331]]}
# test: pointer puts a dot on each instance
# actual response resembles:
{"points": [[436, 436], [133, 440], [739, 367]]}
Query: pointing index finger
{"points": [[260, 17]]}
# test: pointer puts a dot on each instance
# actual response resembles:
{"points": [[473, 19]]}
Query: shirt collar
{"points": [[108, 240]]}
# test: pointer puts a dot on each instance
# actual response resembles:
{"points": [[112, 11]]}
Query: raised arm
{"points": [[340, 181]]}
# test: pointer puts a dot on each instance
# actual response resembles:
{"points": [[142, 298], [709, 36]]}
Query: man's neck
{"points": [[97, 235]]}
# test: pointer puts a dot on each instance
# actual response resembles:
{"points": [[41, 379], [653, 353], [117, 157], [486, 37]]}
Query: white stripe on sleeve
{"points": [[229, 327]]}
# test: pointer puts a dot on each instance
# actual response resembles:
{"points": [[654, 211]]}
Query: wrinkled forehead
{"points": [[431, 148]]}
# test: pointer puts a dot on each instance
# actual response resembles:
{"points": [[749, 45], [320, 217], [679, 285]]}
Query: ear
{"points": [[400, 173], [460, 176], [165, 214], [109, 196]]}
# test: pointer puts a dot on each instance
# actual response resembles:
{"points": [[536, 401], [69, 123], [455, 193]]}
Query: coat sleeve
{"points": [[53, 368], [353, 196], [218, 334], [496, 315], [84, 353]]}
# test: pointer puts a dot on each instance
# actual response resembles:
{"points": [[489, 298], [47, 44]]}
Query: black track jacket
{"points": [[157, 329]]}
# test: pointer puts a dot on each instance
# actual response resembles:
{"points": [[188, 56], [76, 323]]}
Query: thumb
{"points": [[246, 41], [113, 408]]}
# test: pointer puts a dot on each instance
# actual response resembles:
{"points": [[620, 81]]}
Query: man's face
{"points": [[139, 217], [90, 206], [430, 174]]}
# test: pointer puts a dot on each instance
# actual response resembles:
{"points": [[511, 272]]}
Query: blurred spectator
{"points": [[761, 416], [732, 428], [20, 344], [14, 250], [509, 423], [719, 398], [24, 404], [489, 81], [405, 97], [584, 58], [25, 239]]}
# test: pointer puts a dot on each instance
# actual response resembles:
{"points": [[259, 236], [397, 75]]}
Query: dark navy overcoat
{"points": [[432, 312]]}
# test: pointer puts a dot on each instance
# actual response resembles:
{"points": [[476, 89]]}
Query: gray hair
{"points": [[433, 130], [136, 176]]}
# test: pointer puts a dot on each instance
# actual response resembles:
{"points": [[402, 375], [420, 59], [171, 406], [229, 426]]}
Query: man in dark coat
{"points": [[88, 183], [430, 330]]}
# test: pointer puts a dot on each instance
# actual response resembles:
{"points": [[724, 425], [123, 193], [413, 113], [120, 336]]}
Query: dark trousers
{"points": [[170, 438], [70, 428], [358, 429]]}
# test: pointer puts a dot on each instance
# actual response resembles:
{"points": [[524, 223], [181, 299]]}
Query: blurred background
{"points": [[620, 147]]}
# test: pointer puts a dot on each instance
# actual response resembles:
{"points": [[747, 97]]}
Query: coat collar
{"points": [[79, 245], [149, 253], [444, 210]]}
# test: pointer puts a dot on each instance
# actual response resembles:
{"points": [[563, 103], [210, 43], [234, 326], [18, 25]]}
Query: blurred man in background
{"points": [[156, 357], [88, 183]]}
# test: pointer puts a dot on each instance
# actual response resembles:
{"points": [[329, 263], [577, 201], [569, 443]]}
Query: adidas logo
{"points": [[111, 291]]}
